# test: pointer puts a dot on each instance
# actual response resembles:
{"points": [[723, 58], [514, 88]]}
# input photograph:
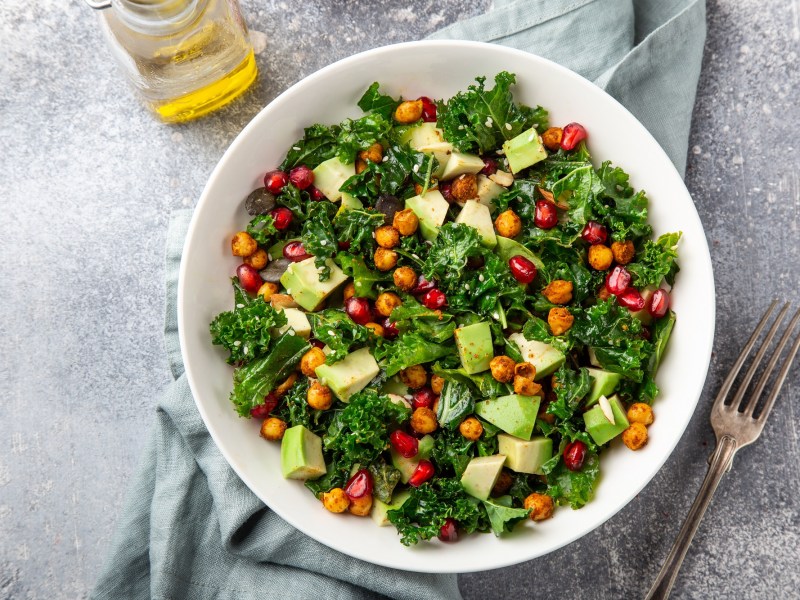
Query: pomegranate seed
{"points": [[423, 286], [618, 280], [275, 181], [594, 233], [406, 445], [249, 278], [522, 269], [659, 304], [446, 190], [489, 166], [390, 330], [423, 398], [428, 109], [422, 473], [344, 245], [262, 410], [434, 299], [282, 217], [316, 343], [574, 133], [574, 455], [301, 177], [358, 310], [315, 194], [295, 252], [449, 531], [631, 299], [546, 216], [359, 485]]}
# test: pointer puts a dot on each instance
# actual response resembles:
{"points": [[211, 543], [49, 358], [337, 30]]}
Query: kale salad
{"points": [[446, 312]]}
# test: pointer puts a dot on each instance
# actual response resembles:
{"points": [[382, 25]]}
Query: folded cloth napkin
{"points": [[190, 528]]}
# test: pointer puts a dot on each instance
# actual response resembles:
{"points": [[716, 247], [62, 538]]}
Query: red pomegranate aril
{"points": [[282, 217], [275, 181], [423, 286], [659, 304], [631, 299], [315, 194], [574, 134], [359, 310], [295, 252], [449, 531], [317, 343], [574, 455], [522, 269], [446, 190], [249, 278], [428, 109], [434, 299], [301, 177], [406, 445], [359, 485], [594, 233], [423, 398], [422, 473], [546, 216], [489, 166], [262, 410], [618, 280], [344, 245], [390, 330]]}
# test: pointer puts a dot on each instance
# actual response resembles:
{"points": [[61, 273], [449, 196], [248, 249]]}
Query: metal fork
{"points": [[735, 425]]}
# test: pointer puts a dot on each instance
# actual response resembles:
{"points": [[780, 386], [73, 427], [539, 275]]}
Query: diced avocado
{"points": [[506, 248], [524, 150], [350, 375], [460, 163], [474, 343], [349, 203], [543, 356], [525, 456], [296, 319], [441, 153], [407, 466], [301, 280], [380, 509], [514, 414], [431, 210], [488, 190], [427, 138], [479, 217], [394, 386], [481, 474], [603, 384], [301, 454], [645, 317], [330, 175], [599, 427]]}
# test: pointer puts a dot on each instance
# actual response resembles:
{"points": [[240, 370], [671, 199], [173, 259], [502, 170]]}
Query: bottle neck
{"points": [[158, 17]]}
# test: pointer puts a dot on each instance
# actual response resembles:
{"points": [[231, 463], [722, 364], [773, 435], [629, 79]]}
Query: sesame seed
{"points": [[385, 158], [290, 332], [416, 256], [330, 332], [496, 316], [530, 137], [508, 126], [415, 168], [323, 243], [296, 148], [240, 306], [480, 278], [466, 286], [237, 343]]}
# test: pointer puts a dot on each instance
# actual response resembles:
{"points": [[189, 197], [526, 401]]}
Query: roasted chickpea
{"points": [[406, 221], [349, 291], [336, 500], [546, 416], [414, 377], [552, 138], [423, 420], [471, 428], [405, 278], [267, 289], [600, 257], [437, 384], [361, 166], [639, 412], [464, 187], [504, 482], [635, 436], [435, 406], [258, 259], [508, 224], [526, 387], [376, 329], [540, 505], [560, 320], [623, 251], [409, 111], [319, 396], [360, 507], [272, 429], [525, 369], [385, 259], [373, 154], [284, 387], [386, 303], [387, 236], [243, 245], [502, 368], [558, 291], [311, 360]]}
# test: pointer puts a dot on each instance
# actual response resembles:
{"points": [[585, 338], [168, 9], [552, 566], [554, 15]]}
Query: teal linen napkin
{"points": [[190, 528]]}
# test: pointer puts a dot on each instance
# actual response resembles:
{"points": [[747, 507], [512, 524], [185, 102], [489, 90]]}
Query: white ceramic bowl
{"points": [[439, 69]]}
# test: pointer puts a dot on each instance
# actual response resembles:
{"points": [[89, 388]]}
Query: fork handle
{"points": [[719, 465]]}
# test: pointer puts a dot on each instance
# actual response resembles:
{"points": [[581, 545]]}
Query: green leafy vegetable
{"points": [[318, 236], [572, 387], [575, 488], [374, 101], [502, 515], [435, 325], [451, 453], [364, 278], [334, 328], [411, 349], [262, 229], [656, 261], [384, 479], [356, 227], [455, 403], [317, 146]]}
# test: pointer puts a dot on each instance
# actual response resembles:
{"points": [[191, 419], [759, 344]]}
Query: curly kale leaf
{"points": [[447, 257], [356, 227], [384, 479], [364, 278], [660, 333], [400, 167], [455, 403], [317, 145], [411, 349], [355, 135], [435, 325], [375, 102], [319, 237], [334, 328], [575, 488], [572, 387], [624, 210], [261, 228], [294, 409], [483, 384], [656, 261], [502, 515], [451, 453], [294, 200]]}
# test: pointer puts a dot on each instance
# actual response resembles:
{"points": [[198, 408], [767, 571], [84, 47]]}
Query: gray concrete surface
{"points": [[88, 182]]}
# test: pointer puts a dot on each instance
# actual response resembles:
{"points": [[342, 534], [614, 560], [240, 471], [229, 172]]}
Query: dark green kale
{"points": [[624, 211], [262, 229], [355, 135], [339, 332], [374, 101], [656, 261], [575, 488], [572, 386], [659, 335], [356, 227], [401, 166], [319, 237], [294, 200], [435, 325], [482, 384], [364, 278], [451, 453], [317, 145], [384, 479], [502, 515], [456, 402], [411, 349]]}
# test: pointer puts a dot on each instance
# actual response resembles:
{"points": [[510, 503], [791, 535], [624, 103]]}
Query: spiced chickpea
{"points": [[414, 377], [385, 259], [361, 166], [373, 154], [387, 236], [504, 482], [409, 111], [623, 251], [284, 387], [600, 257], [635, 436], [437, 384], [336, 500], [349, 291], [526, 387], [376, 329], [525, 369], [406, 221], [360, 507], [258, 259], [502, 368], [464, 187], [386, 303], [560, 320], [508, 224], [267, 289], [242, 244], [423, 420], [311, 360], [405, 278], [471, 428], [272, 429], [551, 138], [319, 396], [540, 505], [558, 291], [639, 412]]}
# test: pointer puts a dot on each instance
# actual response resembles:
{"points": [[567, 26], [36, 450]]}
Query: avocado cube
{"points": [[349, 203], [525, 456], [429, 139], [330, 175], [407, 466], [380, 510], [599, 427], [478, 216], [481, 474], [296, 319], [488, 190], [350, 375], [603, 384], [506, 248], [544, 357], [514, 414], [524, 150], [301, 454], [431, 210], [393, 385], [475, 349], [460, 163], [301, 280]]}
